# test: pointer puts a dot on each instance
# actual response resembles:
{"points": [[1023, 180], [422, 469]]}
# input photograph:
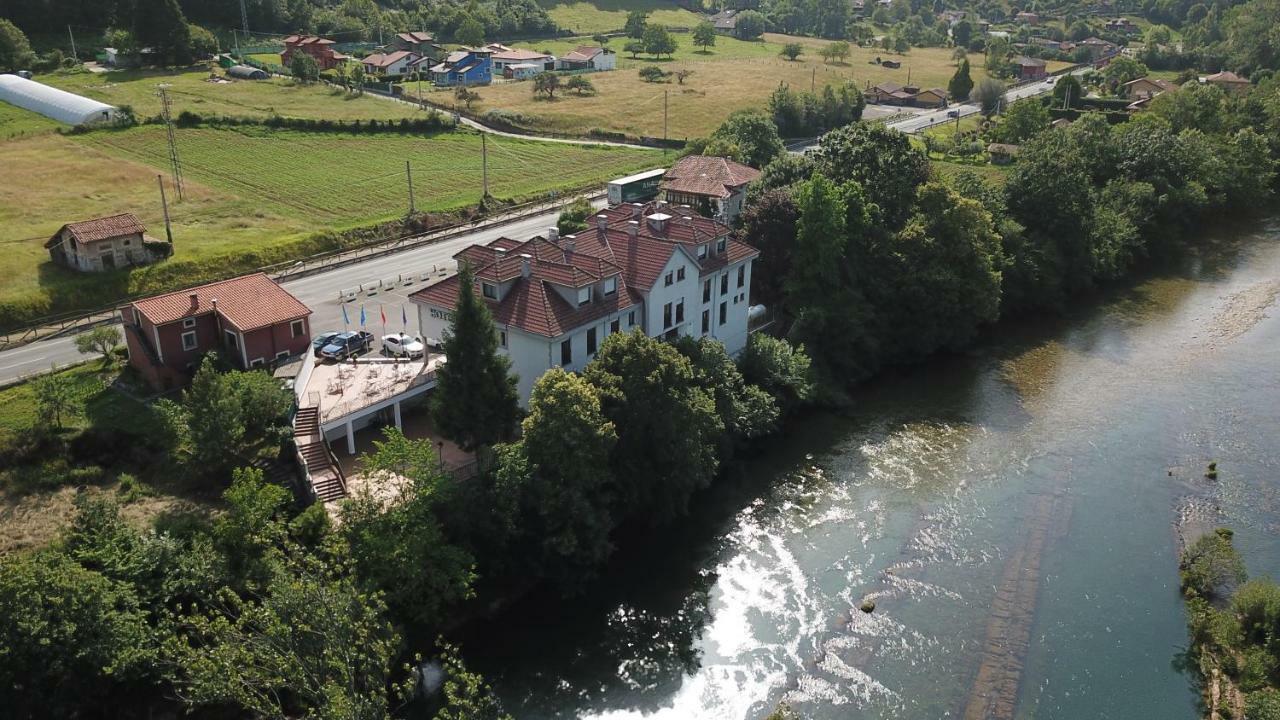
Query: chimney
{"points": [[633, 228], [553, 234], [570, 242], [637, 209], [526, 265], [602, 221], [195, 301]]}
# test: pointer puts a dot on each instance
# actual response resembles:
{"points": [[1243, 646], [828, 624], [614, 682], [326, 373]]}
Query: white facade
{"points": [[669, 311]]}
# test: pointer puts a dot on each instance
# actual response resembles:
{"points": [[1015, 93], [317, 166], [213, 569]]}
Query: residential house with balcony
{"points": [[251, 321], [326, 57], [658, 268], [716, 186], [397, 62], [467, 67]]}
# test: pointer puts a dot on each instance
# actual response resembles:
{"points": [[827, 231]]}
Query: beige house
{"points": [[104, 243], [1228, 81]]}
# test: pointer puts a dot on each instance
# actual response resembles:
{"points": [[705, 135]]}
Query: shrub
{"points": [[653, 74], [1262, 705], [1211, 566]]}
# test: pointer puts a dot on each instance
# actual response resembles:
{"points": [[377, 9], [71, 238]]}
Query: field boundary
{"points": [[78, 321]]}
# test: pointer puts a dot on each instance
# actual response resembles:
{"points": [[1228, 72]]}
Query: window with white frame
{"points": [[610, 285], [489, 290], [189, 340], [584, 295], [295, 328], [188, 322], [702, 251], [720, 245], [742, 275], [282, 354]]}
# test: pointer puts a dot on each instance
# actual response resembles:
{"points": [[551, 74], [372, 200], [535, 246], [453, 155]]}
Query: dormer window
{"points": [[702, 251], [610, 285], [720, 244], [489, 290], [584, 295]]}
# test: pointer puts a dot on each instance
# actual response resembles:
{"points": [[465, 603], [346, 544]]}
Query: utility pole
{"points": [[664, 122], [813, 81], [244, 19], [235, 38], [73, 41], [484, 165], [173, 144], [168, 232], [908, 75], [409, 172]]}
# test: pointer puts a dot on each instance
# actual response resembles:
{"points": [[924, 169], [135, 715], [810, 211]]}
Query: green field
{"points": [[16, 122], [252, 195], [191, 90], [733, 75], [601, 16]]}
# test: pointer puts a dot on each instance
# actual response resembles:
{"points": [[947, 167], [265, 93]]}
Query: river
{"points": [[1015, 513]]}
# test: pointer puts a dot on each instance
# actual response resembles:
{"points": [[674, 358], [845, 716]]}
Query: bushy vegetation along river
{"points": [[1015, 514]]}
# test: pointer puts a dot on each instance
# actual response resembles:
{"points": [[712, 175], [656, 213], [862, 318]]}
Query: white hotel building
{"points": [[554, 300]]}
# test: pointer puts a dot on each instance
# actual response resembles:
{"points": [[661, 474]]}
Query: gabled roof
{"points": [[1024, 61], [887, 87], [517, 55], [416, 37], [1164, 85], [705, 175], [584, 53], [87, 231], [246, 303], [1226, 76], [632, 242], [388, 59]]}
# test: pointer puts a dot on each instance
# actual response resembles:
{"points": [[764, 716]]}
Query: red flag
{"points": [[384, 314]]}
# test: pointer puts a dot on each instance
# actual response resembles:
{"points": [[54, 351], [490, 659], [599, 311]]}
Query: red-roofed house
{"points": [[715, 185], [317, 47], [421, 43], [396, 62], [587, 57], [1228, 81], [104, 243], [509, 57], [663, 269], [250, 320]]}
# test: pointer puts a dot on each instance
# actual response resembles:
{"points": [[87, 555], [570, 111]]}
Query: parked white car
{"points": [[402, 345]]}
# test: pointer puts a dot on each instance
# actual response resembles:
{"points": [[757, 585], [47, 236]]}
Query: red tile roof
{"points": [[416, 37], [387, 60], [1225, 76], [704, 175], [585, 259], [518, 55], [247, 303], [102, 228]]}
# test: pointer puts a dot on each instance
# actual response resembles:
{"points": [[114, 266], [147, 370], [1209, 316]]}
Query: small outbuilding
{"points": [[105, 243], [246, 72], [60, 105], [1003, 153]]}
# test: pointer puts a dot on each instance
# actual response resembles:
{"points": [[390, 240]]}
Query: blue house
{"points": [[464, 67]]}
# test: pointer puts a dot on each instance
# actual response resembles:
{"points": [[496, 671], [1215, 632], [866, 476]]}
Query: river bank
{"points": [[1010, 511]]}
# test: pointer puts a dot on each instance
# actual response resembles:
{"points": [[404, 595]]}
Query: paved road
{"points": [[321, 293]]}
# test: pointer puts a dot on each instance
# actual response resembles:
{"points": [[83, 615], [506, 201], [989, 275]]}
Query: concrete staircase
{"points": [[327, 482]]}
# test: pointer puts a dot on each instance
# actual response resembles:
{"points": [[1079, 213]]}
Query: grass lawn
{"points": [[995, 174], [37, 502], [734, 75], [603, 16], [252, 194], [16, 122], [191, 90], [267, 58]]}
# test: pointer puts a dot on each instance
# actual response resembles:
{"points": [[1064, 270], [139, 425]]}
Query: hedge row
{"points": [[433, 122]]}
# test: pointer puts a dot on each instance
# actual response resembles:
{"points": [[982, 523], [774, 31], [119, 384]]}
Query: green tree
{"points": [[303, 68], [470, 33], [399, 546], [667, 424], [203, 42], [961, 83], [989, 95], [636, 24], [745, 411], [573, 218], [103, 340], [560, 470], [704, 35], [820, 243], [658, 41], [56, 400], [546, 83], [1210, 567], [791, 51], [465, 95], [15, 49], [635, 47], [68, 635], [475, 401], [901, 45], [160, 25], [1022, 121], [358, 77], [250, 532], [466, 694], [1068, 86], [780, 369], [754, 133], [962, 33], [581, 85], [653, 74], [750, 25], [313, 644], [769, 225], [1122, 69], [882, 161]]}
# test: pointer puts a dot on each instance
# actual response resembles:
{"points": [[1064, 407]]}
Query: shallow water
{"points": [[1014, 513]]}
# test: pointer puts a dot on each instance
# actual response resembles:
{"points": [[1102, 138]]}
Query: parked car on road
{"points": [[953, 113], [346, 345], [324, 338], [402, 345]]}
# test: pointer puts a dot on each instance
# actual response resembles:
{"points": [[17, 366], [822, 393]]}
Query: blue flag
{"points": [[345, 320], [362, 316]]}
